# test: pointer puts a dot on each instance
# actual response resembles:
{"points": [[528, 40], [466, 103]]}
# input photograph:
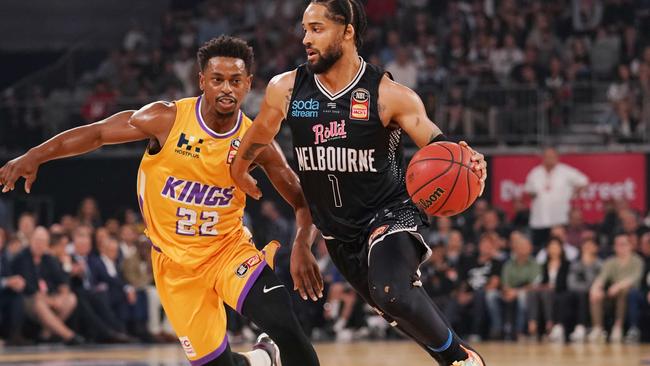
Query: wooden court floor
{"points": [[400, 353]]}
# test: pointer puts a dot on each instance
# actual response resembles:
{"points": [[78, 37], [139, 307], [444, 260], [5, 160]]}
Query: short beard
{"points": [[327, 59], [225, 115]]}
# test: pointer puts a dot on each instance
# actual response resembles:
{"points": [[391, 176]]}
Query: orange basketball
{"points": [[440, 179]]}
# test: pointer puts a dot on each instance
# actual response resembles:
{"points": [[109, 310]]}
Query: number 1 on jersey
{"points": [[336, 190]]}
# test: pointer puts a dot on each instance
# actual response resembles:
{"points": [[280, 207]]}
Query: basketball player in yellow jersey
{"points": [[202, 255]]}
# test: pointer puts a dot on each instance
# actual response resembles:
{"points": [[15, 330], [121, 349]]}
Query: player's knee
{"points": [[394, 300]]}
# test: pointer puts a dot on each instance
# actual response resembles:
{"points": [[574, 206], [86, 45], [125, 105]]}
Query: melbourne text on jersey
{"points": [[335, 159], [196, 193]]}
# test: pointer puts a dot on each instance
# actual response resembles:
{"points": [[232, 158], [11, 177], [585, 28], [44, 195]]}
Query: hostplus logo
{"points": [[305, 108], [188, 146]]}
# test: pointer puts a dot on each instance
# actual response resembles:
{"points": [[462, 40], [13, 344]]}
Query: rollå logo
{"points": [[426, 203]]}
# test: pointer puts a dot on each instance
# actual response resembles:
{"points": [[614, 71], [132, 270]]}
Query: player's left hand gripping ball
{"points": [[479, 166]]}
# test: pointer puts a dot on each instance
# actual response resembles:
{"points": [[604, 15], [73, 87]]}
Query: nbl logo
{"points": [[360, 104], [188, 145]]}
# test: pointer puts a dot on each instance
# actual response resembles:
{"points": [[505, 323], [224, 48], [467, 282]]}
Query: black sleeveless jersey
{"points": [[350, 165]]}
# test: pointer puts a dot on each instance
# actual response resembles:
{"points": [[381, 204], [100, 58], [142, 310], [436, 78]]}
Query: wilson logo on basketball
{"points": [[426, 203]]}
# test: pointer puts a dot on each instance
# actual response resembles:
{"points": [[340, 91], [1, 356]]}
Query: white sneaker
{"points": [[265, 343], [579, 333], [597, 335], [616, 335], [557, 334], [633, 335]]}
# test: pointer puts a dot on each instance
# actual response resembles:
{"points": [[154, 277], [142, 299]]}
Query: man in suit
{"points": [[11, 301], [48, 298], [107, 272]]}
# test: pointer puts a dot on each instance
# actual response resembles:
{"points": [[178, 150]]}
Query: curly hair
{"points": [[226, 46]]}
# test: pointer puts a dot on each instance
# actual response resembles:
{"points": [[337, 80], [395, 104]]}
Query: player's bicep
{"points": [[403, 106], [117, 129], [154, 120]]}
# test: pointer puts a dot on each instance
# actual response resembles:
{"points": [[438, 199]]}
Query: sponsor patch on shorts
{"points": [[375, 233], [187, 346]]}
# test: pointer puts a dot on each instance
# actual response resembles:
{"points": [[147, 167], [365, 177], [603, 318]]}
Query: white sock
{"points": [[258, 357]]}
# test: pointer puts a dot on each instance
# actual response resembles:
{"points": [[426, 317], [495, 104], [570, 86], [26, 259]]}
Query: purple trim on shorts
{"points": [[212, 355], [156, 248], [249, 285], [197, 109]]}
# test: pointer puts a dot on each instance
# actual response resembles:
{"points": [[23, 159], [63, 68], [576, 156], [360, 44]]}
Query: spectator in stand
{"points": [[128, 241], [570, 252], [576, 227], [519, 275], [100, 103], [504, 58], [622, 94], [551, 186], [403, 68], [605, 53], [88, 292], [11, 300], [581, 276], [478, 293], [438, 280], [546, 297], [432, 76], [26, 226], [586, 15], [88, 213], [48, 298], [578, 61], [138, 274], [619, 275], [440, 229], [107, 273]]}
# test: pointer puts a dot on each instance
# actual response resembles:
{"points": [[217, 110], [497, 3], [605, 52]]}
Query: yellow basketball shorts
{"points": [[194, 299]]}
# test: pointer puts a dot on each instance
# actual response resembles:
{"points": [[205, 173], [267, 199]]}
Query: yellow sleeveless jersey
{"points": [[189, 202]]}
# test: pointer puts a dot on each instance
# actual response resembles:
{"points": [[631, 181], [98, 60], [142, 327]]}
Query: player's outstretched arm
{"points": [[121, 127], [304, 269], [401, 105], [266, 125]]}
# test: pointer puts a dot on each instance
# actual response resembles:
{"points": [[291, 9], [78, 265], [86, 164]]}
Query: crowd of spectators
{"points": [[486, 69], [86, 279]]}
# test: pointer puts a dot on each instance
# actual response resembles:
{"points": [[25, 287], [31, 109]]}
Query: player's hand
{"points": [[248, 184], [306, 276], [22, 166], [479, 166]]}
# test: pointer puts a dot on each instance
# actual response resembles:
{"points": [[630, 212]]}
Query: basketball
{"points": [[440, 180]]}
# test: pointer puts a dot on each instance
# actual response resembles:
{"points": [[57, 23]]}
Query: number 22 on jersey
{"points": [[190, 219]]}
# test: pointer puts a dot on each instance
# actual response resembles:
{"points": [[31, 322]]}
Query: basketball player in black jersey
{"points": [[347, 118]]}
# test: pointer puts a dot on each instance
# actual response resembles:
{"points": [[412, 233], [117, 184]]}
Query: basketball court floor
{"points": [[398, 353]]}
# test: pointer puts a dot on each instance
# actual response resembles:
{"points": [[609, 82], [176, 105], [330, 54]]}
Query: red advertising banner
{"points": [[611, 177]]}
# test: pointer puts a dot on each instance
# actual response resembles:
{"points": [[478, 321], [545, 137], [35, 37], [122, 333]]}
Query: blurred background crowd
{"points": [[495, 72]]}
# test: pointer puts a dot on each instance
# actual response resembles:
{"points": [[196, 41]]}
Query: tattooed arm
{"points": [[400, 105], [266, 125]]}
